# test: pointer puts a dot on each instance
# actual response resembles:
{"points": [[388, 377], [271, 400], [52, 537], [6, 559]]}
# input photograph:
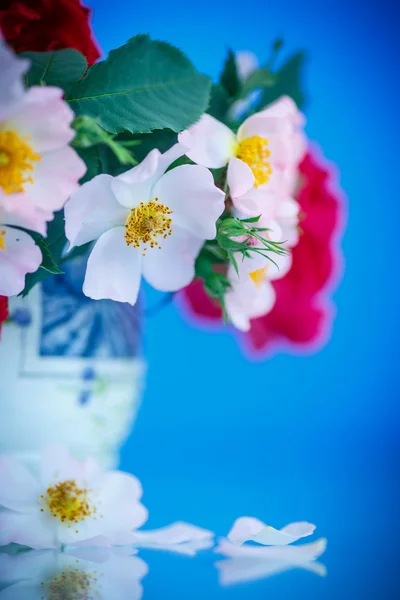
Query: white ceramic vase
{"points": [[71, 371]]}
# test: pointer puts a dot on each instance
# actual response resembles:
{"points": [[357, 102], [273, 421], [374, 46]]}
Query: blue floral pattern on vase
{"points": [[74, 325]]}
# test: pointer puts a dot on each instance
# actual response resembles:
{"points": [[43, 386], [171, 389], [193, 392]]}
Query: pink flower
{"points": [[38, 169], [301, 315]]}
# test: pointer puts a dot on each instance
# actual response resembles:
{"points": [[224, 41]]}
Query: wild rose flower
{"points": [[66, 503], [266, 145], [145, 222], [75, 503], [301, 314], [19, 254], [38, 170], [252, 294], [40, 25]]}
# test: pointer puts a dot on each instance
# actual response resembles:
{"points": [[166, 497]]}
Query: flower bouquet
{"points": [[139, 166]]}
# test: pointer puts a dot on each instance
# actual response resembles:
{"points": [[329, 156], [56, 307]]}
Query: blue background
{"points": [[292, 438]]}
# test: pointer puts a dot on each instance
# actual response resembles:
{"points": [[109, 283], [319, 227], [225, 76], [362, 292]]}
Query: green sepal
{"points": [[52, 248], [229, 78], [288, 82]]}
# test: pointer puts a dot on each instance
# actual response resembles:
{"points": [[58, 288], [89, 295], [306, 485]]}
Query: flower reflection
{"points": [[249, 563], [85, 573]]}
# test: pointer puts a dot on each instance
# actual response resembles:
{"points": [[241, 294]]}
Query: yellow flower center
{"points": [[147, 223], [259, 276], [254, 152], [68, 502], [3, 233], [71, 584], [16, 158]]}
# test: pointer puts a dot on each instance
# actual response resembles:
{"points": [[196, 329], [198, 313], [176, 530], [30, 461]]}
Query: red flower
{"points": [[40, 25], [3, 310], [302, 314]]}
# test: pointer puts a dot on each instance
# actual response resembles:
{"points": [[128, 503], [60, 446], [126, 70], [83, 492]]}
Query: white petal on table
{"points": [[250, 529]]}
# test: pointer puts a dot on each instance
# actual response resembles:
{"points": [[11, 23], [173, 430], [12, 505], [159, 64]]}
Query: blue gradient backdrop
{"points": [[293, 438]]}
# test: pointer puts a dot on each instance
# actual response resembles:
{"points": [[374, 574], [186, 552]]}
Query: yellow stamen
{"points": [[16, 158], [68, 502], [146, 223], [254, 152], [3, 233], [259, 276]]}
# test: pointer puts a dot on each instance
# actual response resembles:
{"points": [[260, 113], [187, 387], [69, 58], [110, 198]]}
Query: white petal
{"points": [[25, 214], [119, 504], [189, 191], [20, 257], [19, 490], [250, 529], [33, 530], [240, 177], [303, 552], [12, 87], [246, 300], [210, 143], [282, 266], [176, 533], [113, 269], [92, 210], [57, 464], [44, 117], [135, 186], [172, 267], [55, 178]]}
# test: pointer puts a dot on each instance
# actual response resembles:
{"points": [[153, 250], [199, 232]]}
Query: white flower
{"points": [[267, 144], [74, 503], [38, 170], [146, 222], [250, 563], [101, 573], [252, 294], [66, 503], [19, 254]]}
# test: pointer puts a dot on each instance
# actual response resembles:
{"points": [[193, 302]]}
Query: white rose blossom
{"points": [[263, 153], [75, 503], [146, 222], [38, 169]]}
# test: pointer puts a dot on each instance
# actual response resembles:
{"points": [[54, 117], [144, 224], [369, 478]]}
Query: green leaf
{"points": [[259, 79], [219, 102], [229, 78], [288, 82], [58, 67], [52, 249], [143, 85]]}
